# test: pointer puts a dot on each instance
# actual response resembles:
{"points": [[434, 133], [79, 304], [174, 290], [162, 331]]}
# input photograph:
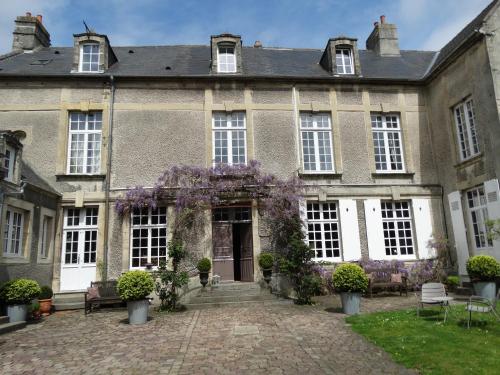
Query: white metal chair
{"points": [[430, 291], [481, 305]]}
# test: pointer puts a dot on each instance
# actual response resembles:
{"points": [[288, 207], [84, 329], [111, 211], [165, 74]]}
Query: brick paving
{"points": [[277, 338]]}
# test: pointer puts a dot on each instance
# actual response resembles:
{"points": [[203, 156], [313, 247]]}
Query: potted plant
{"points": [[18, 295], [133, 287], [266, 261], [351, 281], [204, 266], [45, 299], [35, 313], [483, 269], [452, 282]]}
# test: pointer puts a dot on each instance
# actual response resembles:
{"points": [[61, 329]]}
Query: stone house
{"points": [[393, 146]]}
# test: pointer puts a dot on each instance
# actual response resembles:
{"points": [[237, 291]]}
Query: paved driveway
{"points": [[254, 339]]}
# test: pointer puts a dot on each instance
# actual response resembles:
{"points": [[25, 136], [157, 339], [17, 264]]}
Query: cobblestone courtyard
{"points": [[277, 338]]}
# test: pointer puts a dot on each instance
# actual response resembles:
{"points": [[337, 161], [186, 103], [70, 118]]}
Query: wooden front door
{"points": [[223, 261], [246, 252]]}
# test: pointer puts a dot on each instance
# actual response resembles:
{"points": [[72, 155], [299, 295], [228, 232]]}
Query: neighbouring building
{"points": [[393, 145]]}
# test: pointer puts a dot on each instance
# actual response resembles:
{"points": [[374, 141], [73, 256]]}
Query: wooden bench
{"points": [[108, 295], [383, 279]]}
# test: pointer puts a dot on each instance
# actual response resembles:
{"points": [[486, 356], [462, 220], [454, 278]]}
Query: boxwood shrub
{"points": [[266, 260], [20, 292], [483, 268], [135, 285], [350, 278], [46, 292], [204, 265]]}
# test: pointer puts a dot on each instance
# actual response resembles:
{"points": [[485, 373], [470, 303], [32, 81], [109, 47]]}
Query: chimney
{"points": [[30, 34], [384, 39]]}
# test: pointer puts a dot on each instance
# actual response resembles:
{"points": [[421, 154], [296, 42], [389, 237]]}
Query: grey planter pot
{"points": [[350, 303], [138, 311], [17, 313], [486, 289]]}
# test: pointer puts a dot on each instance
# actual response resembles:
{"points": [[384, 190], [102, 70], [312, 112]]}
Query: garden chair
{"points": [[481, 305], [430, 291]]}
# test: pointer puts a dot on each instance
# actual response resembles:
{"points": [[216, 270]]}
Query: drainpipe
{"points": [[107, 185], [296, 123]]}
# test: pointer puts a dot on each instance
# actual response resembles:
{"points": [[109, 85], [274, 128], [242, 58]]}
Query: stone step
{"points": [[202, 306], [232, 298], [463, 291], [239, 286], [60, 306], [69, 297], [229, 293], [4, 319], [9, 327]]}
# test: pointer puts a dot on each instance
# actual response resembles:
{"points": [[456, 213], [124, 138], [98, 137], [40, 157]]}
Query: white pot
{"points": [[486, 289], [350, 303], [17, 313], [138, 311]]}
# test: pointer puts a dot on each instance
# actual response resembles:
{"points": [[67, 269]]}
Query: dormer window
{"points": [[343, 59], [226, 59], [9, 162], [89, 58]]}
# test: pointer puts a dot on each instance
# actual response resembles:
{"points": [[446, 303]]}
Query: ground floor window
{"points": [[80, 235], [148, 237], [323, 232], [478, 215], [398, 232], [13, 232]]}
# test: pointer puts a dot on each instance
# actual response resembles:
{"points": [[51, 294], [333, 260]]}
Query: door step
{"points": [[9, 327], [4, 319], [69, 301]]}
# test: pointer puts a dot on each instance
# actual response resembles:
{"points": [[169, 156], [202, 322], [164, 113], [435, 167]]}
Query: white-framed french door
{"points": [[79, 248]]}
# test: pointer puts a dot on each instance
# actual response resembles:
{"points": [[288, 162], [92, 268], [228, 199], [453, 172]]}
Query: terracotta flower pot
{"points": [[45, 306]]}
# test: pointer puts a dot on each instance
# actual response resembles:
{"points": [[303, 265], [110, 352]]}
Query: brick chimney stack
{"points": [[30, 34], [384, 39]]}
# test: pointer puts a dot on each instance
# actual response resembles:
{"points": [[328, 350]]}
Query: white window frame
{"points": [[226, 66], [465, 121], [11, 160], [387, 133], [82, 227], [86, 133], [478, 215], [345, 65], [316, 130], [8, 233], [149, 227], [317, 230], [80, 62], [407, 220], [229, 127]]}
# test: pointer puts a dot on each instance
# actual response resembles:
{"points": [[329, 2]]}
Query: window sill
{"points": [[80, 177], [320, 175], [13, 260], [393, 174], [467, 162]]}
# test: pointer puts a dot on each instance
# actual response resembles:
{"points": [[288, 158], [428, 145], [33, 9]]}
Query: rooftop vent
{"points": [[40, 62]]}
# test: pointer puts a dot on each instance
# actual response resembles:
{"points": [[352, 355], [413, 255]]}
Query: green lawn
{"points": [[426, 344]]}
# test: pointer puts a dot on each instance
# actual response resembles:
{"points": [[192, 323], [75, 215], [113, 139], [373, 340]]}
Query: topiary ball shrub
{"points": [[135, 285], [452, 280], [46, 292], [266, 260], [483, 268], [350, 278], [21, 292], [204, 265]]}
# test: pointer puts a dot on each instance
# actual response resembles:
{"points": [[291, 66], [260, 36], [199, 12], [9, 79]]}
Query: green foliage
{"points": [[170, 280], [493, 227], [135, 285], [20, 291], [266, 260], [204, 265], [483, 268], [431, 347], [350, 278], [453, 281], [46, 292]]}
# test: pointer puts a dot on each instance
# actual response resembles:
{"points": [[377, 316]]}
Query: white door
{"points": [[78, 257]]}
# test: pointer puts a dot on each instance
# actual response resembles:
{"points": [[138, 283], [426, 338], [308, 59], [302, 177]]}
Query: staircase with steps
{"points": [[231, 293], [5, 326], [69, 301]]}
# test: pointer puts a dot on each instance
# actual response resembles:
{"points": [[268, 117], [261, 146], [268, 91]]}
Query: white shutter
{"points": [[423, 227], [492, 191], [374, 229], [457, 221], [303, 215], [349, 227]]}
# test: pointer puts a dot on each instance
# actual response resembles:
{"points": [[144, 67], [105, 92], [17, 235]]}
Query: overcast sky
{"points": [[422, 24]]}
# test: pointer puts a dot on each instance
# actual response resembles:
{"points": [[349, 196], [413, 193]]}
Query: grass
{"points": [[431, 347]]}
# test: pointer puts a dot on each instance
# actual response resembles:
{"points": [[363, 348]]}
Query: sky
{"points": [[422, 24]]}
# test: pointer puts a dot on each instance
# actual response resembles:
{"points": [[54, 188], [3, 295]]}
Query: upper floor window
{"points": [[226, 59], [84, 146], [316, 134], [398, 233], [344, 61], [229, 138], [149, 237], [13, 232], [89, 58], [478, 212], [9, 162], [323, 232], [387, 143], [466, 129]]}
